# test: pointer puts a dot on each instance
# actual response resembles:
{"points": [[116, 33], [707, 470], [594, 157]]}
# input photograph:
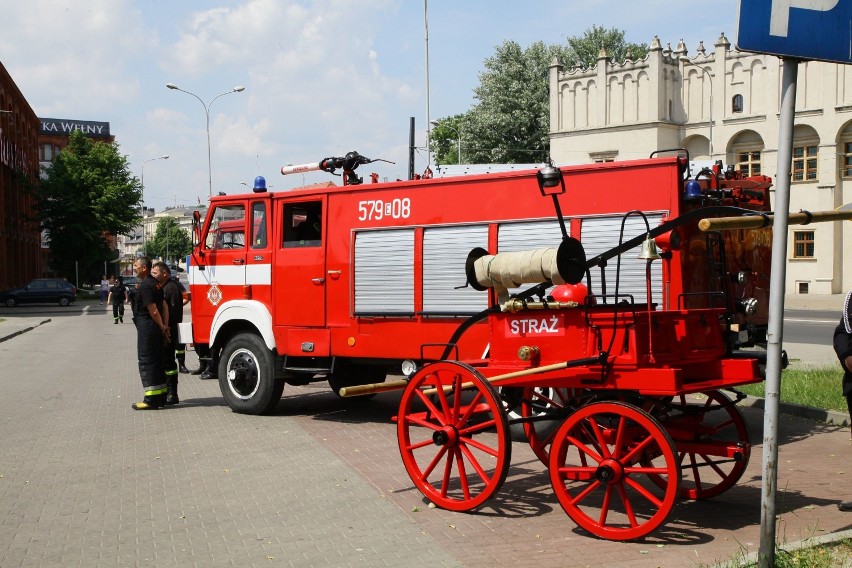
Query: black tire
{"points": [[247, 375], [351, 375], [11, 302], [64, 302]]}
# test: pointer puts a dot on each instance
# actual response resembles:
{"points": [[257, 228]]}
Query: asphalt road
{"points": [[813, 327]]}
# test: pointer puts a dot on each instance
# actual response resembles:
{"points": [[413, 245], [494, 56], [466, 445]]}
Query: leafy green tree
{"points": [[170, 241], [87, 194], [583, 50], [445, 140], [510, 123]]}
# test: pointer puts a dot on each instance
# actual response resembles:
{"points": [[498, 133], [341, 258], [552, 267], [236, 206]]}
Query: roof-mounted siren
{"points": [[259, 184], [692, 190]]}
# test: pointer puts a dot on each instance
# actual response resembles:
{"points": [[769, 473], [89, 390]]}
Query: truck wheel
{"points": [[247, 375]]}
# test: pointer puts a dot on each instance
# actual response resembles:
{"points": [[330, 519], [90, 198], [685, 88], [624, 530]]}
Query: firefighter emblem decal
{"points": [[214, 294]]}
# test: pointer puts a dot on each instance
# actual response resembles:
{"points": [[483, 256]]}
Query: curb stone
{"points": [[818, 414], [24, 330]]}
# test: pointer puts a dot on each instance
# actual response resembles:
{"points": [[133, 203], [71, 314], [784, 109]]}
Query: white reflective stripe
{"points": [[235, 275], [259, 274]]}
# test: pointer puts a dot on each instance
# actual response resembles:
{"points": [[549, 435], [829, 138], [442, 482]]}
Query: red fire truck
{"points": [[350, 283]]}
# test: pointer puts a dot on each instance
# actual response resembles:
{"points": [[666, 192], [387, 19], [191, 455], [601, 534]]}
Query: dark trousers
{"points": [[118, 310], [149, 347], [170, 367]]}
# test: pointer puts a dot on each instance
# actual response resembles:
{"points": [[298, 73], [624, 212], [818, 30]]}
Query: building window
{"points": [[47, 152], [804, 163], [803, 244], [603, 157], [847, 159], [737, 103], [748, 163]]}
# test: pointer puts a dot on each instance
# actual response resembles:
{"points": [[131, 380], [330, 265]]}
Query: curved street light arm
{"points": [[237, 89]]}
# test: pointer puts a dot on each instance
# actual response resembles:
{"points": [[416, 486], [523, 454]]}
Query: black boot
{"points": [[182, 365], [202, 366], [209, 373], [172, 394]]}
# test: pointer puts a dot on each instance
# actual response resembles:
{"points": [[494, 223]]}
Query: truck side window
{"points": [[227, 230], [303, 224], [258, 226]]}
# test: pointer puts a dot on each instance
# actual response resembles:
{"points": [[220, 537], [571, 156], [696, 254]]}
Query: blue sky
{"points": [[322, 77]]}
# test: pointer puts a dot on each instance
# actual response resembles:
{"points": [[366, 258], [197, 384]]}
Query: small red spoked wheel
{"points": [[712, 441], [600, 463], [453, 436], [545, 409]]}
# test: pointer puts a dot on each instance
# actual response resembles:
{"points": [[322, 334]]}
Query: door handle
{"points": [[239, 261], [334, 272], [317, 280]]}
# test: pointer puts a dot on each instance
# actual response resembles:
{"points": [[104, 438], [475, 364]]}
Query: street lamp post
{"points": [[142, 179], [206, 106], [456, 130]]}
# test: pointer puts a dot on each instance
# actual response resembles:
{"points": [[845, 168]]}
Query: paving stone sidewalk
{"points": [[86, 481]]}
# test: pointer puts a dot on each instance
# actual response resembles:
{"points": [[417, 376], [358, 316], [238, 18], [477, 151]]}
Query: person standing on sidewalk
{"points": [[843, 349], [117, 296], [173, 297], [152, 331], [104, 288]]}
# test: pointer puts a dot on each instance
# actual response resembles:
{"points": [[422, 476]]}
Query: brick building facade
{"points": [[20, 238]]}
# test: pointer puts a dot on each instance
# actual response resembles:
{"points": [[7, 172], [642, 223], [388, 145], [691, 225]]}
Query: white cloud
{"points": [[73, 49]]}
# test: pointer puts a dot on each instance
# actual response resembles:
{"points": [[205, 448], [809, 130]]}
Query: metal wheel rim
{"points": [[717, 478], [456, 450], [534, 402], [601, 478], [243, 374]]}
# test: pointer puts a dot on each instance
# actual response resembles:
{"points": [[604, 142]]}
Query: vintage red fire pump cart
{"points": [[621, 396]]}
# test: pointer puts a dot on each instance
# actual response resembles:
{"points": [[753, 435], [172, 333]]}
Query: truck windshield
{"points": [[227, 229]]}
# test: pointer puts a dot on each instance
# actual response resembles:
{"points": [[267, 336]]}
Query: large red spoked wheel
{"points": [[601, 461], [544, 409], [453, 436], [712, 443]]}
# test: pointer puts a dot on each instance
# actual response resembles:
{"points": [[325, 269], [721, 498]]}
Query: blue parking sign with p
{"points": [[805, 29]]}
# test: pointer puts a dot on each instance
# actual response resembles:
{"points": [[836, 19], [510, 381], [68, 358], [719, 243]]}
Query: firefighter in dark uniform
{"points": [[117, 296], [151, 319], [173, 296]]}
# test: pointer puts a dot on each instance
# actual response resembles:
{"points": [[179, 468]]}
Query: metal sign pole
{"points": [[766, 554]]}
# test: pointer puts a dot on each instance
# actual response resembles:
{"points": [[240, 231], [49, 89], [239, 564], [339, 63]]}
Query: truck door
{"points": [[299, 272], [224, 275], [259, 254]]}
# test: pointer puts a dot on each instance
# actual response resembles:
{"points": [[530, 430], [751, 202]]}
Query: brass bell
{"points": [[649, 250]]}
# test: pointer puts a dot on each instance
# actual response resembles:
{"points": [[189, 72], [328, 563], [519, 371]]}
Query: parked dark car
{"points": [[41, 290], [130, 281]]}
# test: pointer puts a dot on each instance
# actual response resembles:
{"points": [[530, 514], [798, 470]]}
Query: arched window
{"points": [[737, 103]]}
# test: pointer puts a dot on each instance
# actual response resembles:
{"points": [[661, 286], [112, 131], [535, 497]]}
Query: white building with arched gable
{"points": [[722, 105]]}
